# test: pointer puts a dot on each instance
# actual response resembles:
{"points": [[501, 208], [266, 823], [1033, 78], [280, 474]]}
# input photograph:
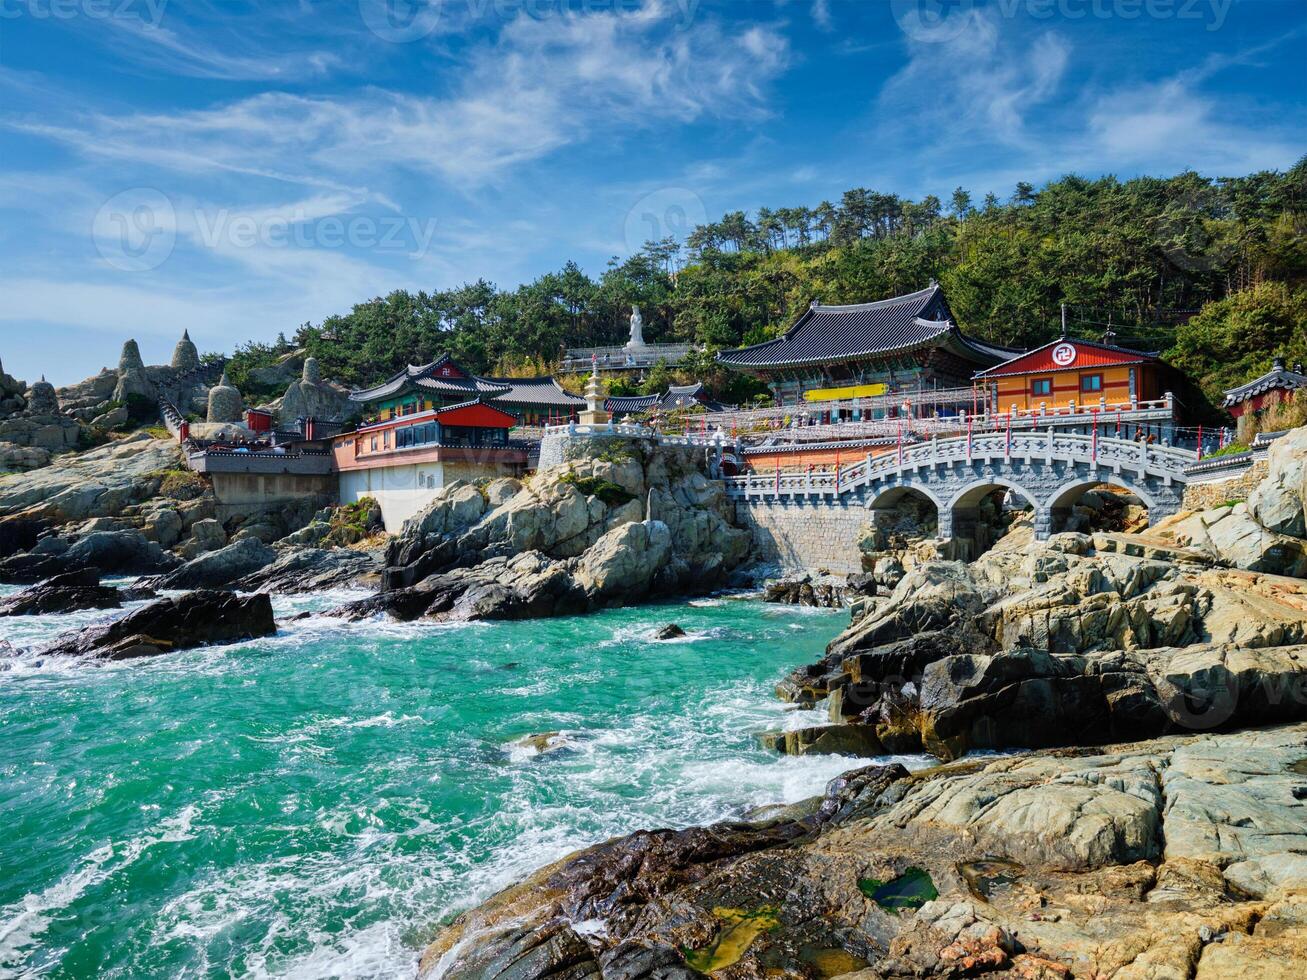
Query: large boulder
{"points": [[220, 568], [631, 520], [1278, 501], [100, 483], [303, 570], [194, 619]]}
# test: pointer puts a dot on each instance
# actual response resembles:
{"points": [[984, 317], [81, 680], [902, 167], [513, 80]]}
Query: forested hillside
{"points": [[1212, 271]]}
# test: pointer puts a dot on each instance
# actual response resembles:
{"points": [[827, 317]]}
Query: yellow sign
{"points": [[842, 394]]}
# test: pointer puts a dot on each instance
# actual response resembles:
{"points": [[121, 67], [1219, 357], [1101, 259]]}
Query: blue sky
{"points": [[238, 168]]}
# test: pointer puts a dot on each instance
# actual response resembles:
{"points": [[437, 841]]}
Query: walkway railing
{"points": [[781, 422], [633, 430], [1166, 462], [618, 358]]}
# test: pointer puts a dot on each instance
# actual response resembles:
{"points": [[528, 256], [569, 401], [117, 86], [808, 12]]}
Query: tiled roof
{"points": [[630, 404], [471, 386], [828, 334], [1277, 378], [677, 396], [535, 391]]}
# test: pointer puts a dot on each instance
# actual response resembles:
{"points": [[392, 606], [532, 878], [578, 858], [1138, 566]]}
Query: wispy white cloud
{"points": [[978, 82], [177, 50], [544, 84]]}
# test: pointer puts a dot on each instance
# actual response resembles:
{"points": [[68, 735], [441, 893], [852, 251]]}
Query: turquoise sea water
{"points": [[313, 804]]}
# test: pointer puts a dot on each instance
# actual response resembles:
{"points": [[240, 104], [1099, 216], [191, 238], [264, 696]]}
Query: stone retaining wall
{"points": [[798, 533], [1204, 496]]}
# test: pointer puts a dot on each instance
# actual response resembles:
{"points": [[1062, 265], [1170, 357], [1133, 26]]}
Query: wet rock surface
{"points": [[1173, 855], [194, 619]]}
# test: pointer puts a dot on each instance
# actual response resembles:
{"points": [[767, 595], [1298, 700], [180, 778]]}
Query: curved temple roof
{"points": [[1277, 377], [825, 334], [455, 381]]}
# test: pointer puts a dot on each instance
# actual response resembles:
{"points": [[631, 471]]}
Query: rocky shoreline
{"points": [[1155, 685], [1158, 829]]}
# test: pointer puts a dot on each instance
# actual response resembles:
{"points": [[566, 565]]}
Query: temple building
{"points": [[443, 382], [905, 350], [1275, 386], [400, 462], [429, 425], [1081, 373], [537, 401]]}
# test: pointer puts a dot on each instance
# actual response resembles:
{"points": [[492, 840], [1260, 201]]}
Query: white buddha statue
{"points": [[637, 328]]}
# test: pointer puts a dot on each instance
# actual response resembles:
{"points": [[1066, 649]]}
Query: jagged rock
{"points": [[803, 591], [1118, 863], [205, 535], [637, 520], [219, 568], [669, 632], [125, 552], [50, 597], [852, 739], [194, 619], [99, 483], [312, 570]]}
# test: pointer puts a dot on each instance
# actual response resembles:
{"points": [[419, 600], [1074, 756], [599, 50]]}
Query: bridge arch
{"points": [[1064, 497], [971, 494], [889, 511], [965, 510], [890, 495]]}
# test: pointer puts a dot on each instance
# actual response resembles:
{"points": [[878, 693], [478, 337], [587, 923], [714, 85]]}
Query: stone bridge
{"points": [[1049, 469]]}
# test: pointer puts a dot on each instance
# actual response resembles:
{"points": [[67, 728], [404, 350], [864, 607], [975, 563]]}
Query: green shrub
{"points": [[606, 490]]}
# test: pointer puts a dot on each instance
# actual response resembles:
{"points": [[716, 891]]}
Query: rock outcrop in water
{"points": [[637, 520], [1178, 857], [195, 619], [1074, 643], [62, 594]]}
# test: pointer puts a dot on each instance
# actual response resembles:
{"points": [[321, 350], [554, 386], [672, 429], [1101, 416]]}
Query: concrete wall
{"points": [[402, 491], [245, 494], [808, 534]]}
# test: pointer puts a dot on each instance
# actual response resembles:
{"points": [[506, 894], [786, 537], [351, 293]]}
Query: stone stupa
{"points": [[132, 379], [42, 400], [185, 357], [225, 405]]}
